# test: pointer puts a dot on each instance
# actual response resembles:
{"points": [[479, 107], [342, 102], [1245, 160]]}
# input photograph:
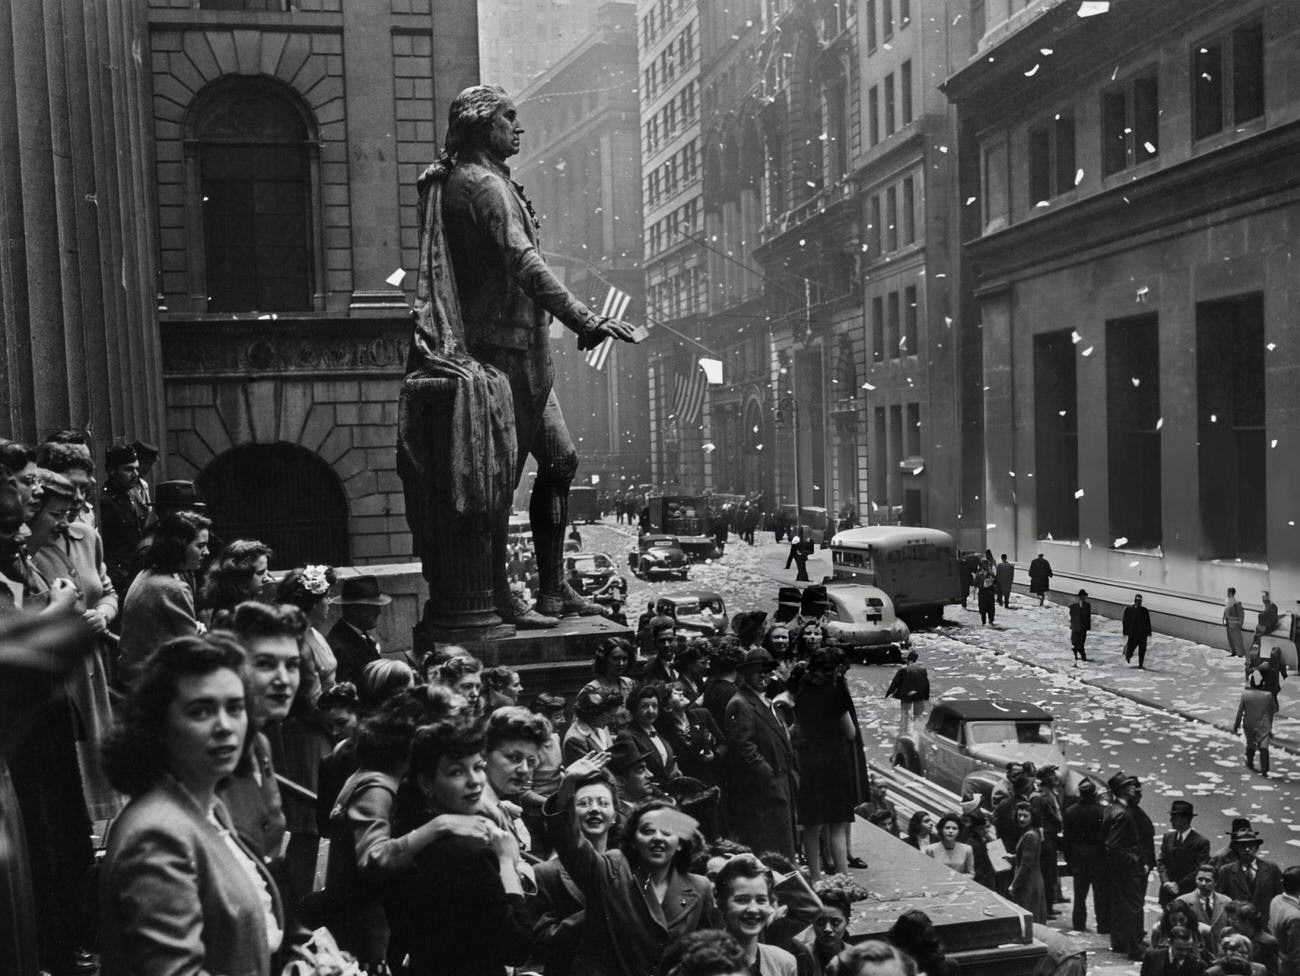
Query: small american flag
{"points": [[615, 306]]}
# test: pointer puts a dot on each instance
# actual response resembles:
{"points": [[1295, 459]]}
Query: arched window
{"points": [[284, 495], [253, 160]]}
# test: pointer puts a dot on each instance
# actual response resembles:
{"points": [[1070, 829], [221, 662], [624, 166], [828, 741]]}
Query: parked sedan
{"points": [[592, 573], [698, 611], [658, 556], [861, 618]]}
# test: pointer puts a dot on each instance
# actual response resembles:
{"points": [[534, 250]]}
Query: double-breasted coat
{"points": [[762, 780]]}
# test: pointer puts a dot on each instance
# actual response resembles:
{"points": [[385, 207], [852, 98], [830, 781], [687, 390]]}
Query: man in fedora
{"points": [[1137, 628], [1182, 851], [1080, 624], [349, 639], [1129, 838], [630, 764], [1251, 878], [761, 762]]}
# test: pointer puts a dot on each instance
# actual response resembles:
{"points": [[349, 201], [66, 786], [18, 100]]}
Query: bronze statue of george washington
{"points": [[480, 235]]}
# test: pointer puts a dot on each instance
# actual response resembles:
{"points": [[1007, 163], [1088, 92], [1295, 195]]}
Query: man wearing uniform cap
{"points": [[1182, 851], [1129, 839], [761, 762]]}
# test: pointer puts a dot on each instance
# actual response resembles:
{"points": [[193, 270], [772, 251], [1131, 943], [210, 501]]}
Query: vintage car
{"points": [[658, 556], [966, 744], [861, 618], [697, 611], [592, 573]]}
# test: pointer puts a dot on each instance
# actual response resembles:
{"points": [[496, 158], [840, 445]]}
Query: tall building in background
{"points": [[520, 39], [675, 261], [580, 164], [1133, 222]]}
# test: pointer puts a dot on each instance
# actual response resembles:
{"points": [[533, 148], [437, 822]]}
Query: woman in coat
{"points": [[178, 890], [1027, 889], [948, 850], [824, 739], [160, 603], [589, 731], [747, 905], [692, 734], [460, 911], [643, 704], [639, 897]]}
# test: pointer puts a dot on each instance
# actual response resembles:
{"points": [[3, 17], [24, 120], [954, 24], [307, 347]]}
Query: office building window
{"points": [[911, 315], [1051, 158], [892, 337], [1130, 124], [889, 105], [878, 329], [870, 14], [1231, 437], [873, 114], [1228, 80], [908, 215], [874, 230], [1133, 429], [887, 18], [905, 83], [1056, 436], [891, 219]]}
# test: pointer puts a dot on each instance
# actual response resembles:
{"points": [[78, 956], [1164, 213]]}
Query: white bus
{"points": [[917, 567]]}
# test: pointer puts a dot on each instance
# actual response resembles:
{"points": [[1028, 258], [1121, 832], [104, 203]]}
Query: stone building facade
{"points": [[1133, 228], [287, 146]]}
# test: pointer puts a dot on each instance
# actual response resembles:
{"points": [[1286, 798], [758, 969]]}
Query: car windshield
{"points": [[1024, 733], [590, 564]]}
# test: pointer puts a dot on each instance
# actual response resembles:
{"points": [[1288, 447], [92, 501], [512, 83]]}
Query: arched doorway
{"points": [[285, 496]]}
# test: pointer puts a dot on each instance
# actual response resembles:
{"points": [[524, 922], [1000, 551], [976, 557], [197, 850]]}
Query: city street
{"points": [[1174, 739]]}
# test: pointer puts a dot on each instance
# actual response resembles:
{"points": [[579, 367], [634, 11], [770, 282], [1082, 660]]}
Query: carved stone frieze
{"points": [[203, 346]]}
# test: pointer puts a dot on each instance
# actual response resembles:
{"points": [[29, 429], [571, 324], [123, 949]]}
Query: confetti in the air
{"points": [[395, 279], [1087, 352], [1079, 493]]}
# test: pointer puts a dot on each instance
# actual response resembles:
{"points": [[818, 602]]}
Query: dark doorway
{"points": [[1056, 436], [284, 495], [1133, 429]]}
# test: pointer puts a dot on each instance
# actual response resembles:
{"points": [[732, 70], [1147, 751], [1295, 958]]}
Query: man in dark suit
{"points": [[1085, 853], [350, 638], [1137, 628], [761, 762], [1179, 959], [1251, 878], [1129, 839], [1182, 851]]}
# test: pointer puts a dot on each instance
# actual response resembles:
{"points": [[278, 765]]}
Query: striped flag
{"points": [[689, 397], [615, 306]]}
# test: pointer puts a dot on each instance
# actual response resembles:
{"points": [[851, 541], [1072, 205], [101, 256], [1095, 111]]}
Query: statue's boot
{"points": [[548, 511], [512, 608], [518, 612]]}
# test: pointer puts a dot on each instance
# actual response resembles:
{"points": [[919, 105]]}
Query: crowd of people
{"points": [[689, 810]]}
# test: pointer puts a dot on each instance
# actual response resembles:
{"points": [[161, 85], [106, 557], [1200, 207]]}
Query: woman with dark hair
{"points": [[831, 924], [592, 713], [61, 549], [477, 925], [364, 854], [914, 934], [560, 907], [308, 589], [1178, 914], [610, 665], [920, 829], [159, 606], [948, 850], [637, 896], [643, 703], [239, 574], [806, 639], [824, 738], [1027, 889], [692, 665], [708, 952], [747, 904], [178, 890]]}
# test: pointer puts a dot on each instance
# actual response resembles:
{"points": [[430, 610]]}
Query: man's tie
{"points": [[1250, 873]]}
